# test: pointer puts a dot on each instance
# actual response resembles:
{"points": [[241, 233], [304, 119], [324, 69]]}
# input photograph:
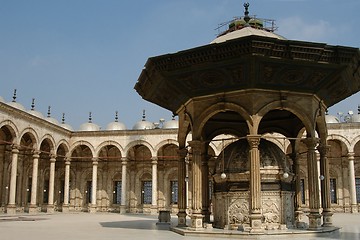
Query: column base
{"points": [[197, 221], [327, 219], [256, 223], [314, 221], [65, 208], [50, 208], [122, 209], [33, 209], [182, 219], [354, 208], [299, 220], [153, 210], [11, 209], [92, 209]]}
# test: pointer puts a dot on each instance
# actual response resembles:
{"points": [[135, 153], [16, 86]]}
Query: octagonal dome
{"points": [[244, 32], [143, 124]]}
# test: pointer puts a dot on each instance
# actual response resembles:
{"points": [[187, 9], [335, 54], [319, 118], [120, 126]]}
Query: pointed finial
{"points": [[90, 118], [116, 116], [359, 109], [143, 116], [33, 104], [246, 17], [173, 117], [326, 112], [14, 96], [63, 118], [49, 112]]}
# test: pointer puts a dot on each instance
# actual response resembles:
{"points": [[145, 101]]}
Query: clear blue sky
{"points": [[86, 55]]}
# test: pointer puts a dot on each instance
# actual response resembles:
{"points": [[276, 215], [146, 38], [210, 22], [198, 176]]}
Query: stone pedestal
{"points": [[314, 221], [197, 221], [256, 223], [65, 208], [181, 219], [327, 219], [33, 209], [92, 209], [50, 209], [11, 209], [122, 209], [164, 217]]}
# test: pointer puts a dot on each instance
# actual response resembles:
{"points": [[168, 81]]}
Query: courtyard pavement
{"points": [[103, 226]]}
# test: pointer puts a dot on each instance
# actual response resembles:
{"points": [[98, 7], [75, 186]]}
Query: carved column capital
{"points": [[253, 140], [351, 156], [311, 142]]}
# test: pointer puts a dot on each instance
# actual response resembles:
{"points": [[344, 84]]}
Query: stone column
{"points": [[182, 195], [123, 185], [325, 186], [352, 186], [11, 207], [34, 183], [255, 184], [65, 207], [196, 216], [299, 223], [50, 206], [93, 186], [314, 198], [205, 186], [154, 194]]}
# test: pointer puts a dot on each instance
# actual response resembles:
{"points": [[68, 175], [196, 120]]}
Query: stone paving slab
{"points": [[77, 226]]}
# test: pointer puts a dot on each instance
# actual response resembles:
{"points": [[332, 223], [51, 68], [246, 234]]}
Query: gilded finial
{"points": [[63, 118], [143, 116]]}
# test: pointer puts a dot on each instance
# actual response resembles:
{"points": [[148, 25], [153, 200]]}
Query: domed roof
{"points": [[143, 124], [116, 125], [64, 125], [244, 32], [331, 119], [247, 26], [171, 124], [89, 126], [355, 118], [16, 105], [33, 112]]}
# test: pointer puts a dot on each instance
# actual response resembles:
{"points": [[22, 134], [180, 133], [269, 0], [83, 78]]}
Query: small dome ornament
{"points": [[143, 124], [64, 125], [172, 124], [116, 125], [51, 119], [89, 126], [15, 104], [33, 111]]}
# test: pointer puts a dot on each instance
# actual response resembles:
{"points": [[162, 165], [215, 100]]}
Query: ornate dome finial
{"points": [[90, 118], [49, 112], [143, 116], [33, 104], [359, 109], [116, 116], [14, 96], [246, 17], [63, 118]]}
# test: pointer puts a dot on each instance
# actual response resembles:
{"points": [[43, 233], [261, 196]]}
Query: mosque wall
{"points": [[128, 163]]}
